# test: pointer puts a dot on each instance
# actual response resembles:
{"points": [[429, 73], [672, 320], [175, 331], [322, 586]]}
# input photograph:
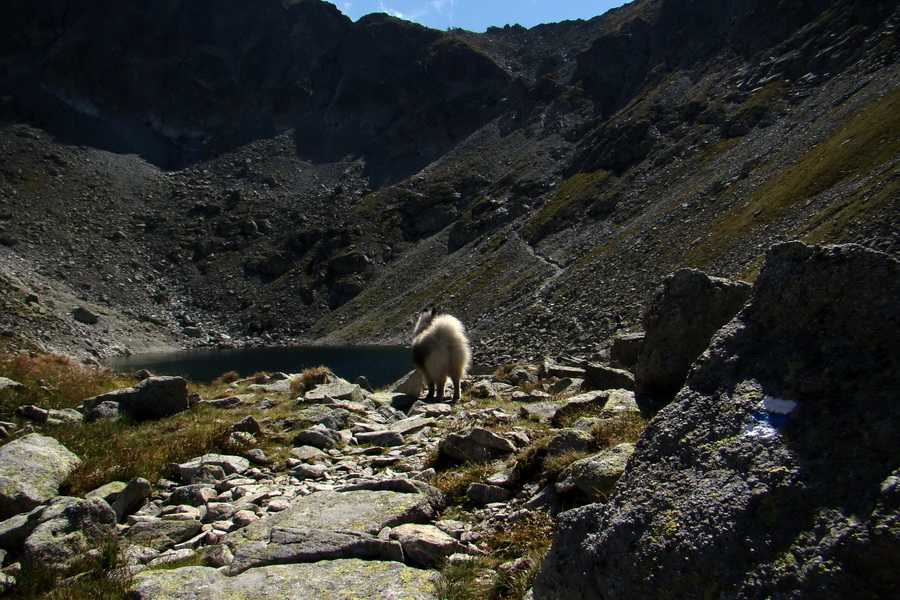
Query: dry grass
{"points": [[484, 579], [623, 429], [120, 450], [54, 382], [310, 378]]}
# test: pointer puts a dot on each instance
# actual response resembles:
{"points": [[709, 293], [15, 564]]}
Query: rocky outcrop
{"points": [[31, 470], [678, 324], [774, 470], [153, 398]]}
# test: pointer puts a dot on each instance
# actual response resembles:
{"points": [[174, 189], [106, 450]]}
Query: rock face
{"points": [[31, 469], [774, 471], [679, 323]]}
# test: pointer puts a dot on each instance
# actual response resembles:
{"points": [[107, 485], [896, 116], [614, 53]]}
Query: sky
{"points": [[478, 15]]}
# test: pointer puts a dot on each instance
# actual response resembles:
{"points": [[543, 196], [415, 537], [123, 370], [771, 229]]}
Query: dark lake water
{"points": [[382, 365]]}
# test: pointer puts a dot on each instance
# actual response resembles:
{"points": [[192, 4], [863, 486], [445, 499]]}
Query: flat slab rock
{"points": [[327, 580], [326, 526]]}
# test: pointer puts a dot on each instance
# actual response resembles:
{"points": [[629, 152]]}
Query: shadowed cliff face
{"points": [[280, 172], [179, 81]]}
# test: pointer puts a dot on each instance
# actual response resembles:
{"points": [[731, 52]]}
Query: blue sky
{"points": [[478, 15]]}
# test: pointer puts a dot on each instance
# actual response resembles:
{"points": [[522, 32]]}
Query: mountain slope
{"points": [[331, 178]]}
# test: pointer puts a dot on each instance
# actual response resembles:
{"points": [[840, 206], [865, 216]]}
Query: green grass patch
{"points": [[572, 198], [863, 144]]}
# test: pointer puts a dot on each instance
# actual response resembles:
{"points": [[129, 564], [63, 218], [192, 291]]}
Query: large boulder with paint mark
{"points": [[31, 470], [775, 472]]}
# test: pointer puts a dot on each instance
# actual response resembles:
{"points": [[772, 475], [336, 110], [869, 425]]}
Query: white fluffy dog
{"points": [[440, 350]]}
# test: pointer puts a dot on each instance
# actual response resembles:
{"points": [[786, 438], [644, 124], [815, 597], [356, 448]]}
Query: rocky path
{"points": [[353, 507]]}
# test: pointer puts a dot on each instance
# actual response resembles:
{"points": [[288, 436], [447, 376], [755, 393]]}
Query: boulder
{"points": [[410, 385], [326, 580], [602, 377], [679, 323], [380, 438], [153, 398], [162, 534], [566, 441], [131, 497], [326, 416], [596, 475], [425, 546], [229, 464], [626, 348], [8, 384], [339, 390], [482, 494], [67, 529], [31, 470], [328, 525], [318, 437], [85, 315], [476, 445], [774, 471]]}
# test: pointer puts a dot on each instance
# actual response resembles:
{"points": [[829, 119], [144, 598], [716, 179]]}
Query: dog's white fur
{"points": [[440, 350]]}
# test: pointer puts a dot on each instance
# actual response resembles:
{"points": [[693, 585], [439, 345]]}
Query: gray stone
{"points": [[9, 384], [318, 437], [31, 470], [67, 529], [626, 348], [328, 525], [482, 494], [104, 410], [307, 453], [229, 464], [248, 425], [679, 323], [85, 315], [596, 476], [162, 534], [620, 403], [327, 417], [566, 386], [773, 472], [410, 385], [570, 440], [434, 496], [380, 438], [477, 445], [304, 471], [14, 530], [153, 398], [108, 491], [602, 377], [131, 498], [326, 580], [341, 390], [425, 546], [540, 412]]}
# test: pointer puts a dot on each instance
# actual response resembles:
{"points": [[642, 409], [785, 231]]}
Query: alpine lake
{"points": [[381, 365]]}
